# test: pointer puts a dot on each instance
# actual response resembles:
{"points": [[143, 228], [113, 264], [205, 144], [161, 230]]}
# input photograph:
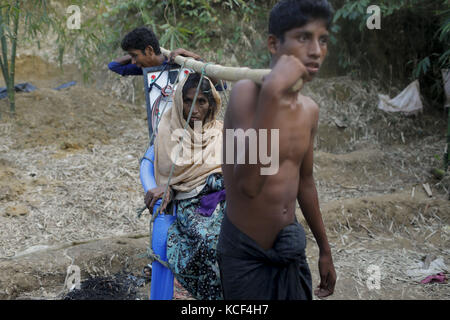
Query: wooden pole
{"points": [[232, 74], [447, 148]]}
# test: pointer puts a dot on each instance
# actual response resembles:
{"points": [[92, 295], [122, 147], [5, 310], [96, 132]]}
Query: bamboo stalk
{"points": [[4, 46], [226, 73], [13, 56], [447, 152], [5, 68], [4, 63]]}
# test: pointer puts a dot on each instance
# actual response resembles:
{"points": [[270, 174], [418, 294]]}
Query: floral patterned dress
{"points": [[192, 242]]}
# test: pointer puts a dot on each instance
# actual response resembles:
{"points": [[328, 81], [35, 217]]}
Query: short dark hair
{"points": [[289, 14], [205, 88], [141, 38]]}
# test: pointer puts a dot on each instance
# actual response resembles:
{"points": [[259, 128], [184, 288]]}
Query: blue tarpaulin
{"points": [[66, 85], [28, 87], [21, 87]]}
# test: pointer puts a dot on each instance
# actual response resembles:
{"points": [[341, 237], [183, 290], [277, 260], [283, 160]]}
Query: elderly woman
{"points": [[196, 186]]}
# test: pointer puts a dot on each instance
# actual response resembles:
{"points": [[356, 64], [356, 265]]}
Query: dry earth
{"points": [[69, 187]]}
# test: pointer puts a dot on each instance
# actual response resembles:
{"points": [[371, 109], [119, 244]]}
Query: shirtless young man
{"points": [[261, 249]]}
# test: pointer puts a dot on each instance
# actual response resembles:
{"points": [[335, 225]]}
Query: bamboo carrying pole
{"points": [[225, 73]]}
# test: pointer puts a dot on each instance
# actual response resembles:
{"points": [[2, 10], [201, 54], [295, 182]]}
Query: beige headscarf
{"points": [[200, 154]]}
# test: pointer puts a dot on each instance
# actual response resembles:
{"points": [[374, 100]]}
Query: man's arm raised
{"points": [[254, 108], [242, 108]]}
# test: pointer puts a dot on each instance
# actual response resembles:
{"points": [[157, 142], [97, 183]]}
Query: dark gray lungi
{"points": [[249, 272]]}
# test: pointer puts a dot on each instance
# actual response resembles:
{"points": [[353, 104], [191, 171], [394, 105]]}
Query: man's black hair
{"points": [[205, 88], [290, 14], [141, 38]]}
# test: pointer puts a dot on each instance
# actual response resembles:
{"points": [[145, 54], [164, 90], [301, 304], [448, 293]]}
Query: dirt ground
{"points": [[70, 188]]}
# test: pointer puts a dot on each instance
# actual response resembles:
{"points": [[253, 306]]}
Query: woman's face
{"points": [[201, 107]]}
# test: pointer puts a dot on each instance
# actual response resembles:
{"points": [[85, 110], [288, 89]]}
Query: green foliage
{"points": [[407, 46], [214, 25], [37, 18], [413, 41], [444, 36], [422, 67]]}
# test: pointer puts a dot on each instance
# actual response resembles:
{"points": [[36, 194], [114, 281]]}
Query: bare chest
{"points": [[295, 130]]}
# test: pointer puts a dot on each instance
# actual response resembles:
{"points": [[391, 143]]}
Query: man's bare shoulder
{"points": [[242, 101], [312, 109], [244, 91], [309, 104]]}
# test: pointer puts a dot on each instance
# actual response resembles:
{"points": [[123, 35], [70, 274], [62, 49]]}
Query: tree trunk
{"points": [[12, 68], [447, 153], [8, 69]]}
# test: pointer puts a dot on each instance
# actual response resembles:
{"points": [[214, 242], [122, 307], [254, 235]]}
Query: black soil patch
{"points": [[121, 286]]}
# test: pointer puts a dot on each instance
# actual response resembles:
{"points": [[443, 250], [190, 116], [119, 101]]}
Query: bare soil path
{"points": [[69, 189]]}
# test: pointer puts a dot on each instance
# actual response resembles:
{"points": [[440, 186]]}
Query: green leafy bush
{"points": [[413, 43], [212, 25]]}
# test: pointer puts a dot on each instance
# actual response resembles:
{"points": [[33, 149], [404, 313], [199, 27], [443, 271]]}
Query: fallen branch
{"points": [[427, 189]]}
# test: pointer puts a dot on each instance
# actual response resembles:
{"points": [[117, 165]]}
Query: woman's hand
{"points": [[155, 194]]}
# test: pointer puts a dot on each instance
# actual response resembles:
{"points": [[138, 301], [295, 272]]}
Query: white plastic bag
{"points": [[418, 271], [407, 102]]}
